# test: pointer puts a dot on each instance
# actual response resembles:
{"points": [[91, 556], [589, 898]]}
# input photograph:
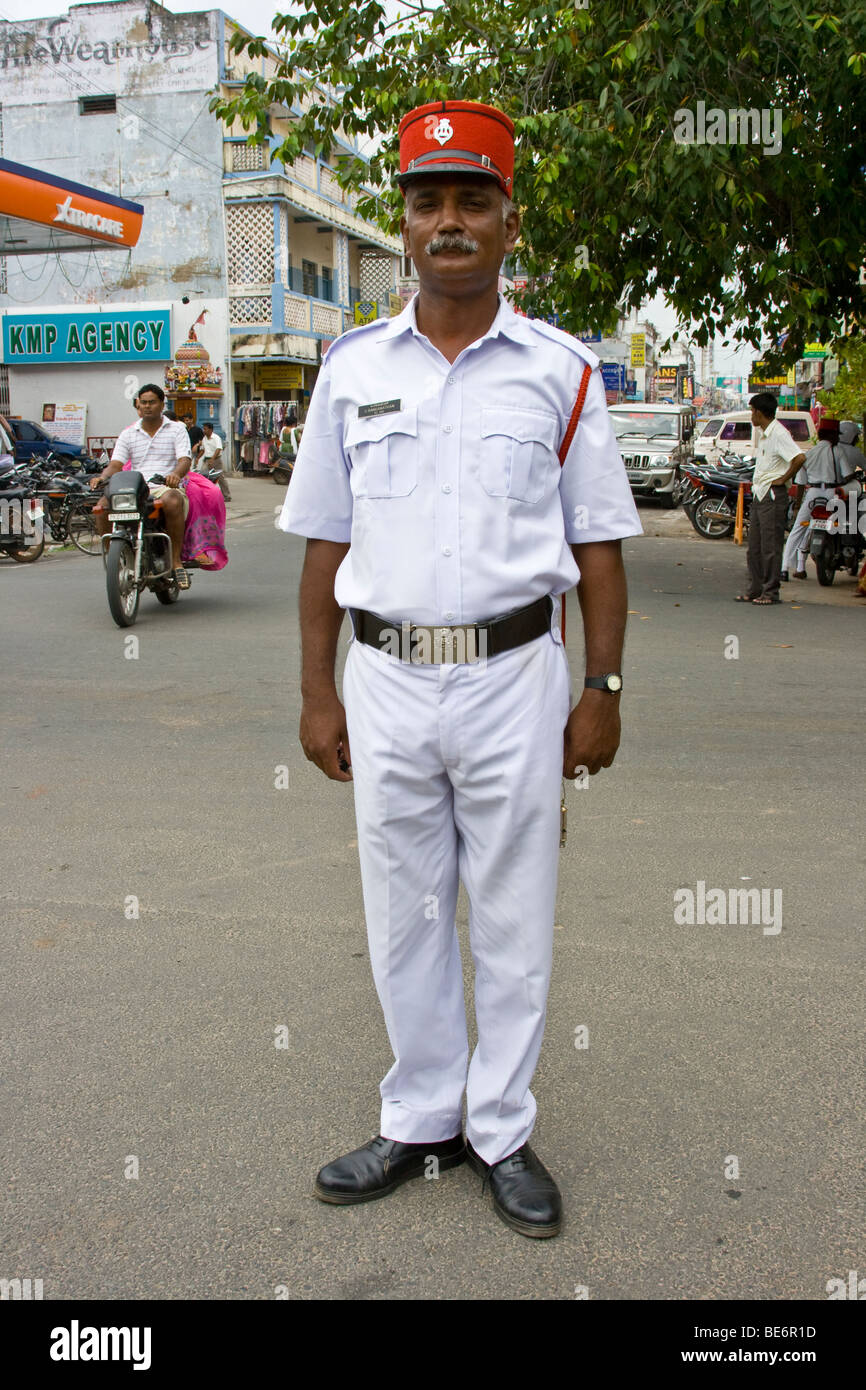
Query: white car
{"points": [[654, 440], [734, 433]]}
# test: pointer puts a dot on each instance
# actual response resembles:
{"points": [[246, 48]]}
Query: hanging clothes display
{"points": [[257, 429]]}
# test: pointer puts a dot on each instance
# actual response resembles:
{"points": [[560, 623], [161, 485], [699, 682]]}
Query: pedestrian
{"points": [[824, 469], [777, 459], [429, 487], [212, 457]]}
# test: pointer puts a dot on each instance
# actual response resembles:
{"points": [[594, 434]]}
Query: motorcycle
{"points": [[831, 545], [21, 533], [710, 497], [137, 551]]}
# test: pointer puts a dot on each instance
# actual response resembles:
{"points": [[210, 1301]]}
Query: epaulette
{"points": [[566, 340], [351, 333]]}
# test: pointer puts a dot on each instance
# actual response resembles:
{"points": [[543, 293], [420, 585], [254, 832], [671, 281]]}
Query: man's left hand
{"points": [[592, 733], [172, 480]]}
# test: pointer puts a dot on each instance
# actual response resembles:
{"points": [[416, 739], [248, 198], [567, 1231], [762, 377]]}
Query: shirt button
{"points": [[446, 487], [446, 429], [446, 550], [451, 380], [448, 617]]}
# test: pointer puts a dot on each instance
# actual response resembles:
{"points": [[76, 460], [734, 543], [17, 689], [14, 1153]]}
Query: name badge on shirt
{"points": [[379, 408]]}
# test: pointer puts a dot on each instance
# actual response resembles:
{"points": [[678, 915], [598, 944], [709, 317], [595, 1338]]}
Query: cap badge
{"points": [[441, 130]]}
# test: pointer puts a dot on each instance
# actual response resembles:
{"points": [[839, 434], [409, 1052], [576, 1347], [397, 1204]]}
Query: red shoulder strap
{"points": [[566, 443], [575, 414]]}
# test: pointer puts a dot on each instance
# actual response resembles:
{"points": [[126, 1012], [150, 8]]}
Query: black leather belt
{"points": [[466, 643]]}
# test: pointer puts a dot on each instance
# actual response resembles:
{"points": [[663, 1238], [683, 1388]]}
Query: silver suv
{"points": [[654, 440]]}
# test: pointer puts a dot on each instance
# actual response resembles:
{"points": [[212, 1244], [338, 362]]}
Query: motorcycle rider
{"points": [[153, 445], [827, 465]]}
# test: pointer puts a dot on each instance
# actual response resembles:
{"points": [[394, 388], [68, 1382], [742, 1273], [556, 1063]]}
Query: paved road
{"points": [[713, 1049]]}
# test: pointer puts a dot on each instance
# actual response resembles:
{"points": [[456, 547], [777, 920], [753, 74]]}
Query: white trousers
{"points": [[797, 544], [457, 772]]}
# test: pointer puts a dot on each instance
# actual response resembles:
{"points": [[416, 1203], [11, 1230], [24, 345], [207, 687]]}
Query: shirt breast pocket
{"points": [[518, 453], [383, 452]]}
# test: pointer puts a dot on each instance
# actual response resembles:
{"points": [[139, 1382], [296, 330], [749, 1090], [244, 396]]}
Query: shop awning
{"points": [[41, 213]]}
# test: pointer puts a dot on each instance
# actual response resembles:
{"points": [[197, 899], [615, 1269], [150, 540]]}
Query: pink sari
{"points": [[204, 539]]}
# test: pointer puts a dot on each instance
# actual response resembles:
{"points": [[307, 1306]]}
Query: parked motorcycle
{"points": [[710, 496], [21, 534], [831, 545]]}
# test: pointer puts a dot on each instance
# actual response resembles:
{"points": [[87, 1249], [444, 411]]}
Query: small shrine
{"points": [[192, 378]]}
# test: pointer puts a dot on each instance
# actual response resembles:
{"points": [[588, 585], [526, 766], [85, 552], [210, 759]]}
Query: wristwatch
{"points": [[612, 682]]}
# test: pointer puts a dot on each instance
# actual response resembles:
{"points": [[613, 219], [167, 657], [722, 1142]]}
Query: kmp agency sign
{"points": [[49, 339]]}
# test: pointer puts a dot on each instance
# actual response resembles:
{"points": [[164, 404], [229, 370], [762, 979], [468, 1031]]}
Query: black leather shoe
{"points": [[784, 576], [524, 1194], [380, 1166]]}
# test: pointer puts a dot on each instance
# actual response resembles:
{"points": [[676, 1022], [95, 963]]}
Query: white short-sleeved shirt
{"points": [[156, 453], [444, 477], [211, 447], [774, 453]]}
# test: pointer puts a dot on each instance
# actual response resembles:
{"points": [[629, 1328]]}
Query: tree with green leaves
{"points": [[620, 197], [846, 399]]}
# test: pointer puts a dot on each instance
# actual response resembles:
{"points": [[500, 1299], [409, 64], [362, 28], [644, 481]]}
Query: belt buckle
{"points": [[442, 637]]}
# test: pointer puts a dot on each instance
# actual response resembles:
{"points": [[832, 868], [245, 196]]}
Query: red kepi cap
{"points": [[457, 137]]}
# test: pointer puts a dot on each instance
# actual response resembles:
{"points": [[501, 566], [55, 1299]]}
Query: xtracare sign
{"points": [[70, 214], [46, 339]]}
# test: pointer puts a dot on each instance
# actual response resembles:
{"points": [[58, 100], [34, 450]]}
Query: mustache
{"points": [[451, 241]]}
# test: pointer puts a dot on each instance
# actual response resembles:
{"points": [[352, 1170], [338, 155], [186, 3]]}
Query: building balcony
{"points": [[277, 309]]}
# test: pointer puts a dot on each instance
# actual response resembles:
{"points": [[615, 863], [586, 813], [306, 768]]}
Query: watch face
{"points": [[614, 682]]}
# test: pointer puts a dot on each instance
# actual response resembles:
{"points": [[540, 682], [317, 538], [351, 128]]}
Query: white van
{"points": [[734, 433]]}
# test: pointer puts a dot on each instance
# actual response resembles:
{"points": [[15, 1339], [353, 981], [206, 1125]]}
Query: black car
{"points": [[31, 439]]}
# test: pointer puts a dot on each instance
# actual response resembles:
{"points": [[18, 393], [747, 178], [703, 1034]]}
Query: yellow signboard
{"points": [[638, 350], [396, 304], [282, 375], [366, 310]]}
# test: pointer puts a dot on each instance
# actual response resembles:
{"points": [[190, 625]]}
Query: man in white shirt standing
{"points": [[153, 445], [212, 456], [777, 460], [429, 486]]}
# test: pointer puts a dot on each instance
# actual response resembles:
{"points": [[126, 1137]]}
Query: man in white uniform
{"points": [[436, 511], [826, 467]]}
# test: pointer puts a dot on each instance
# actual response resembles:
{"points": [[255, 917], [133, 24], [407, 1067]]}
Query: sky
{"points": [[257, 16]]}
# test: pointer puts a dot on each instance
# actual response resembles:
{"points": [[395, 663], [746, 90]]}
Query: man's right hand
{"points": [[96, 482], [324, 738]]}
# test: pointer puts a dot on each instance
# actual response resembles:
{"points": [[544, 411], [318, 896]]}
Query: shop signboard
{"points": [[282, 376], [366, 311], [638, 350], [78, 338], [614, 376]]}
